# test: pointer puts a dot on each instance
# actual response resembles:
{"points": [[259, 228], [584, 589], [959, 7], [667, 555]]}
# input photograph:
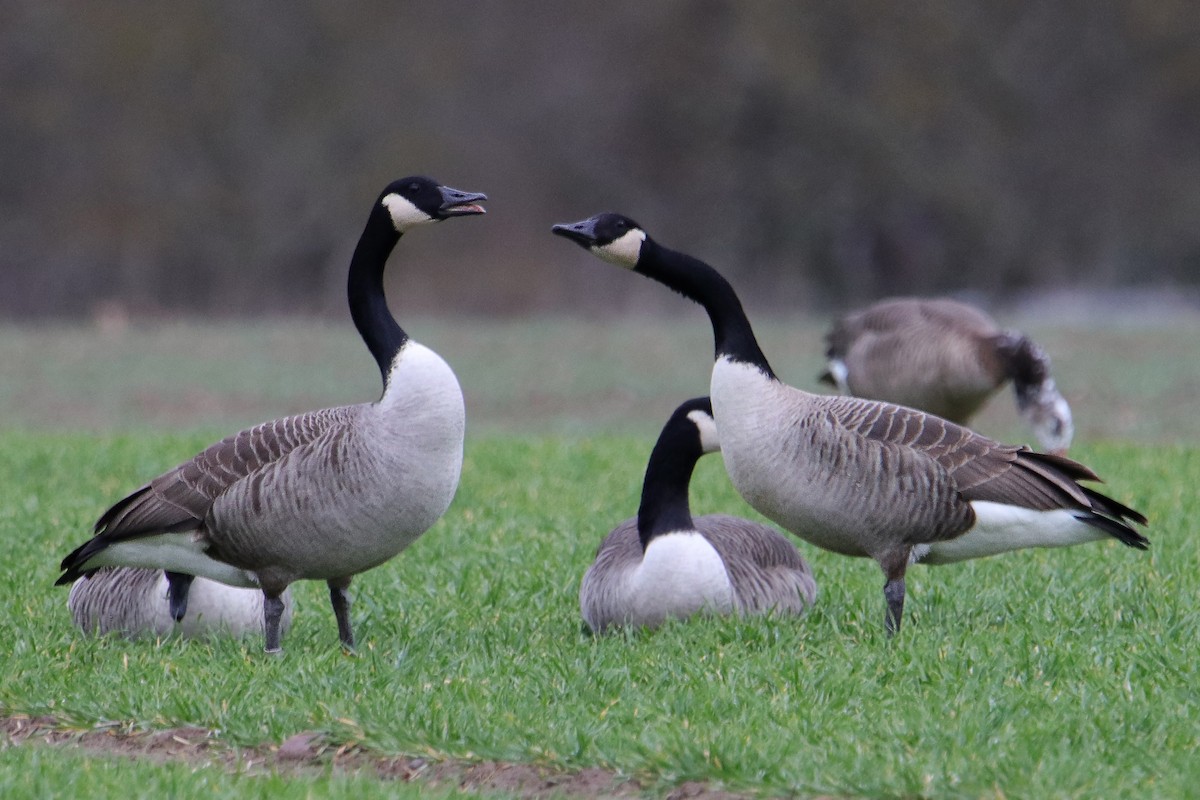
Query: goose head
{"points": [[612, 237], [1047, 413], [418, 200], [1039, 402]]}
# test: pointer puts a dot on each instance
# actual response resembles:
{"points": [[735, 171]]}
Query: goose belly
{"points": [[1000, 528], [341, 510], [341, 523], [833, 489], [185, 552], [771, 473]]}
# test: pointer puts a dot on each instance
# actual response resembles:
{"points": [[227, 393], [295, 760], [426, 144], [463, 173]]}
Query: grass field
{"points": [[1037, 674]]}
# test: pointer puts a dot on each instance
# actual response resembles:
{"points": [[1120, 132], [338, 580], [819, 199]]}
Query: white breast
{"points": [[418, 429], [765, 458], [680, 575]]}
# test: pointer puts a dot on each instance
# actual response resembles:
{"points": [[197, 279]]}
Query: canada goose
{"points": [[135, 602], [947, 358], [863, 477], [663, 563], [323, 495]]}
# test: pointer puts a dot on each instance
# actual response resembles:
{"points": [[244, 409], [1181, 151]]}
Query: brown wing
{"points": [[982, 469], [178, 500], [764, 567]]}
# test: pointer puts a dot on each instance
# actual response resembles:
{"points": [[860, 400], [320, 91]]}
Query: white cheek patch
{"points": [[710, 442], [623, 252], [404, 214]]}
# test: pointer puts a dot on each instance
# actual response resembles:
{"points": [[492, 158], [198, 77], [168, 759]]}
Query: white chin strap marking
{"points": [[623, 252], [404, 214]]}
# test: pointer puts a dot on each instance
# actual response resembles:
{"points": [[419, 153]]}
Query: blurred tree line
{"points": [[219, 158]]}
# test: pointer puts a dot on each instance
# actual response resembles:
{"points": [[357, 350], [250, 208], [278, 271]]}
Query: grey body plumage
{"points": [[323, 495], [862, 477], [947, 358], [663, 563]]}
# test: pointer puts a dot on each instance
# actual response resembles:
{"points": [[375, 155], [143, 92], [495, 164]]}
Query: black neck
{"points": [[1027, 363], [697, 281], [664, 506], [368, 306]]}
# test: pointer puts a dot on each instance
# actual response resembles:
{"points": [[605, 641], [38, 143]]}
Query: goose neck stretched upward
{"points": [[733, 335], [368, 305]]}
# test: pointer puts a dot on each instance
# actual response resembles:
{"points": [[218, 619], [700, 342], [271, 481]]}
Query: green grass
{"points": [[1038, 674], [1048, 674], [36, 773], [533, 376]]}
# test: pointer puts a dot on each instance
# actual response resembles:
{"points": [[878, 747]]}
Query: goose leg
{"points": [[894, 566], [339, 598], [178, 584], [893, 592], [272, 614]]}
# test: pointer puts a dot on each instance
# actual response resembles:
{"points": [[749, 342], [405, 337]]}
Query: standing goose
{"points": [[946, 358], [323, 495], [135, 602], [862, 477], [665, 564]]}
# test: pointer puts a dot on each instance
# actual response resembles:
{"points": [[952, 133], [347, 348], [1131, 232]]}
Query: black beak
{"points": [[457, 203], [583, 233]]}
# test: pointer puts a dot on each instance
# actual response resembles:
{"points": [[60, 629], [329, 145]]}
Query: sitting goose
{"points": [[663, 563], [863, 477], [323, 495], [946, 358], [136, 602]]}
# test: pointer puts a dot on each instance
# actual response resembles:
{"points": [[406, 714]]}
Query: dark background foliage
{"points": [[219, 158]]}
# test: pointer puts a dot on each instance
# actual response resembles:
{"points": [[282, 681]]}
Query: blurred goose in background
{"points": [[323, 495], [137, 602], [863, 477], [663, 563], [946, 358]]}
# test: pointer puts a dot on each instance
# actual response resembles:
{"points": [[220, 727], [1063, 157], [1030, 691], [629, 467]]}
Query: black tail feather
{"points": [[1115, 528], [72, 565], [1106, 505], [117, 509]]}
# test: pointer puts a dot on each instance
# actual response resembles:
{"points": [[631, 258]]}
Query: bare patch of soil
{"points": [[308, 752]]}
